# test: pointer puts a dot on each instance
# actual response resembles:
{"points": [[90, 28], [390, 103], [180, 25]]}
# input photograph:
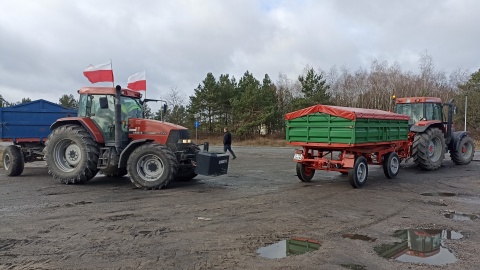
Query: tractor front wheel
{"points": [[428, 149], [152, 166], [13, 161], [463, 154]]}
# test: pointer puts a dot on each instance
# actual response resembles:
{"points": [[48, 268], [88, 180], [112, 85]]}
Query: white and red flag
{"points": [[137, 82], [99, 73]]}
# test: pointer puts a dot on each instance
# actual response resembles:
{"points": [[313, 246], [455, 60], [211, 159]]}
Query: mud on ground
{"points": [[219, 223]]}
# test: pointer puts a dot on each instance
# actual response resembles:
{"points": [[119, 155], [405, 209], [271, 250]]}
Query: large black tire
{"points": [[428, 149], [391, 165], [359, 173], [464, 152], [114, 172], [152, 166], [71, 154], [304, 173], [185, 175], [13, 161]]}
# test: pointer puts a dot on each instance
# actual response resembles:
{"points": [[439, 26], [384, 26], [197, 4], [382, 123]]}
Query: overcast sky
{"points": [[45, 45]]}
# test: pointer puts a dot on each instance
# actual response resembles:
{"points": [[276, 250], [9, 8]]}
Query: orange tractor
{"points": [[110, 135], [432, 134]]}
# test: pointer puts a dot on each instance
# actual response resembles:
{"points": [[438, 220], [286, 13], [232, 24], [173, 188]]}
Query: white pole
{"points": [[465, 124]]}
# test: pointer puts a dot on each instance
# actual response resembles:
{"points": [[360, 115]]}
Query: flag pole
{"points": [[111, 67]]}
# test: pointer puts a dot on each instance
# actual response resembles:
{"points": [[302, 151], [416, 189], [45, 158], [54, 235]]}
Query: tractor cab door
{"points": [[101, 109]]}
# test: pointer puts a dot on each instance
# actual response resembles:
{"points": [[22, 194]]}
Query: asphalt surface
{"points": [[221, 222]]}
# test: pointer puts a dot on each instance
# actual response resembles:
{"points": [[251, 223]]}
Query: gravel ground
{"points": [[219, 223]]}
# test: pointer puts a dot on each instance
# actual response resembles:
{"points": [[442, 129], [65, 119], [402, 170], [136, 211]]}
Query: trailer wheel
{"points": [[71, 154], [464, 152], [359, 173], [152, 166], [428, 149], [391, 165], [304, 173], [13, 160]]}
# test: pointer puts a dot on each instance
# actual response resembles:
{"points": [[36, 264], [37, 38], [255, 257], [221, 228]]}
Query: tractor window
{"points": [[131, 108], [82, 106], [433, 111], [414, 110]]}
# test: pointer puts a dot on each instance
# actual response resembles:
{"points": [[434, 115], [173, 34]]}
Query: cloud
{"points": [[47, 44]]}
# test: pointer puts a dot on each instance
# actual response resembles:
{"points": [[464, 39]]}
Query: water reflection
{"points": [[460, 216], [420, 246], [288, 247]]}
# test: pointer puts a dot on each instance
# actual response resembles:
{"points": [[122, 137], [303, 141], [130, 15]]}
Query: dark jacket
{"points": [[227, 138]]}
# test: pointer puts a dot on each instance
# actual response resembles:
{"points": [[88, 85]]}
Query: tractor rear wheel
{"points": [[304, 173], [428, 149], [463, 154], [359, 173], [391, 165], [71, 154], [152, 166], [13, 160]]}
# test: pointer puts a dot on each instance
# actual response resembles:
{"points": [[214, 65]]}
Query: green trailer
{"points": [[346, 140]]}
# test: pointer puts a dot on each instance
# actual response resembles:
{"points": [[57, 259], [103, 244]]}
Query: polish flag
{"points": [[137, 82], [99, 73]]}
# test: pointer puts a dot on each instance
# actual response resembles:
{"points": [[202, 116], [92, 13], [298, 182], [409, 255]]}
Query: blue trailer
{"points": [[27, 127]]}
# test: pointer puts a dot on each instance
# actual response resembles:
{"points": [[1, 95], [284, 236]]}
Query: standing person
{"points": [[227, 142]]}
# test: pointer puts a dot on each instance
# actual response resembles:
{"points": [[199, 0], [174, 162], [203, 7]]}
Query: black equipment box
{"points": [[209, 163]]}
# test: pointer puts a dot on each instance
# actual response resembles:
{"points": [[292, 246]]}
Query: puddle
{"points": [[358, 237], [289, 247], [460, 216], [420, 246], [439, 194]]}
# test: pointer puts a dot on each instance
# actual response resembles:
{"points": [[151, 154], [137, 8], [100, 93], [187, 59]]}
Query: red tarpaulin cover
{"points": [[347, 112]]}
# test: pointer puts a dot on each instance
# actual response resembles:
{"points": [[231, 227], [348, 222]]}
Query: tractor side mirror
{"points": [[103, 103], [164, 108]]}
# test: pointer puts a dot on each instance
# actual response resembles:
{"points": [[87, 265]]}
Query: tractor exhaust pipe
{"points": [[118, 119]]}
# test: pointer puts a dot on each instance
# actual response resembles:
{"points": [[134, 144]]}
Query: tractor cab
{"points": [[98, 103], [420, 109]]}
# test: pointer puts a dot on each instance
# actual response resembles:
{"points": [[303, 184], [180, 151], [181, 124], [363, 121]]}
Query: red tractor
{"points": [[110, 135], [432, 134]]}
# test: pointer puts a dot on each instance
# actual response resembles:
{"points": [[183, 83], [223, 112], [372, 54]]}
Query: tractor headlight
{"points": [[185, 141]]}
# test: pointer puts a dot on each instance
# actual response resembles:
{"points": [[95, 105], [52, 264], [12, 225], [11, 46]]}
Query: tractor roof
{"points": [[108, 91], [418, 100]]}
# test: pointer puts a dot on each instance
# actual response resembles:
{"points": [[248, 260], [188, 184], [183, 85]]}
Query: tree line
{"points": [[250, 105]]}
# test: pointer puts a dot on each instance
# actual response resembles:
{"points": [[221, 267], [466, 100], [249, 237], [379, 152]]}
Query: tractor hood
{"points": [[152, 129]]}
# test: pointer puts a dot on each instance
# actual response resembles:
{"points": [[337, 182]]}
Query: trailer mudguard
{"points": [[122, 163]]}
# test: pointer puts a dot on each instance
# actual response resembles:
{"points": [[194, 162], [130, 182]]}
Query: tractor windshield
{"points": [[420, 111], [131, 107], [414, 110]]}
